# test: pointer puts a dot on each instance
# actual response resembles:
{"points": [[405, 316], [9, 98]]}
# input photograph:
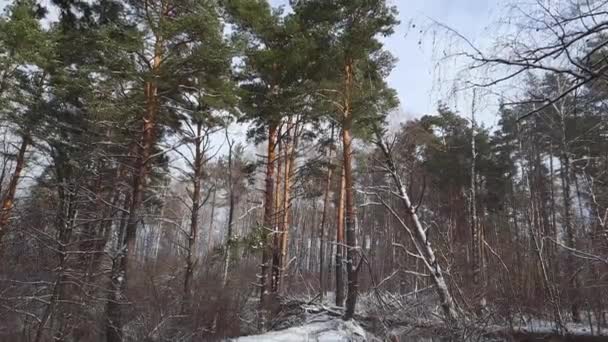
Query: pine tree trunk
{"points": [[284, 226], [117, 295], [278, 219], [350, 214], [9, 198], [340, 243]]}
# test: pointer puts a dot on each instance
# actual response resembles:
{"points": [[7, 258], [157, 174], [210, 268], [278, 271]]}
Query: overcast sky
{"points": [[420, 77]]}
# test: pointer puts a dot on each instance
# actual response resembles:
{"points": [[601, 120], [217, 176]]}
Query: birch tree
{"points": [[418, 233]]}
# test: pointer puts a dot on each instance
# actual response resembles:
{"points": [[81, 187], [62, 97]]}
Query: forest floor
{"points": [[401, 319]]}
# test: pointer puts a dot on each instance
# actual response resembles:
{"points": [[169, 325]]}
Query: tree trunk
{"points": [[119, 202], [64, 224], [290, 159], [277, 219], [284, 225], [340, 243], [159, 226], [211, 224], [420, 239], [6, 166], [9, 198], [230, 215], [350, 214], [476, 239], [196, 196], [571, 272], [322, 236], [552, 264], [126, 251], [536, 243], [268, 223]]}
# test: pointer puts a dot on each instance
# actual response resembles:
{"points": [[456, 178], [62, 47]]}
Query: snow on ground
{"points": [[574, 329], [322, 328], [415, 318], [307, 318]]}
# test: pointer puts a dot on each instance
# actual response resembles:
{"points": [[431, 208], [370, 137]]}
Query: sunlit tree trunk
{"points": [[9, 197], [126, 251], [278, 216]]}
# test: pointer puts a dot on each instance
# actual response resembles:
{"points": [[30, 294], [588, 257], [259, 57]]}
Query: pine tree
{"points": [[207, 100], [347, 34], [178, 43], [23, 44], [272, 82]]}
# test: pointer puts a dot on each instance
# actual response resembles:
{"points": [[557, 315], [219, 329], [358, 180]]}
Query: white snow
{"points": [[321, 329], [543, 326]]}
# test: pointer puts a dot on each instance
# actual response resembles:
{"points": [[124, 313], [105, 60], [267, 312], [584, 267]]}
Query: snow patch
{"points": [[548, 327], [321, 329]]}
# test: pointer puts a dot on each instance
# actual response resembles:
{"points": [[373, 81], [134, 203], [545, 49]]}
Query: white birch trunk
{"points": [[419, 238]]}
